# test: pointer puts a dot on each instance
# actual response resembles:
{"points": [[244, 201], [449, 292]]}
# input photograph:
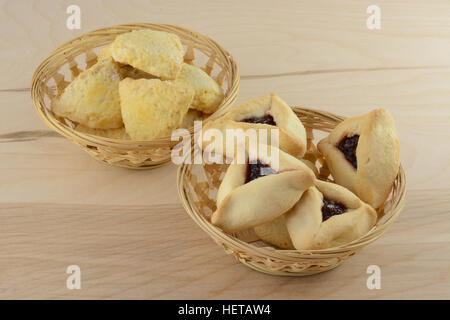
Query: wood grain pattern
{"points": [[127, 230]]}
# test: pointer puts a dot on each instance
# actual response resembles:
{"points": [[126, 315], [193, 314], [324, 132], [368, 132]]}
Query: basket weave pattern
{"points": [[198, 184], [78, 54]]}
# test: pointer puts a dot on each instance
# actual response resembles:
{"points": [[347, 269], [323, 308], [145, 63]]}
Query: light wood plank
{"points": [[294, 36], [127, 229], [156, 251]]}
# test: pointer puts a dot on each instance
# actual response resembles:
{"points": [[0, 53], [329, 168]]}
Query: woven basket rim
{"points": [[269, 252], [48, 117]]}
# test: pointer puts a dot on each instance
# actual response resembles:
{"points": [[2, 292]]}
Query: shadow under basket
{"points": [[198, 185], [80, 53]]}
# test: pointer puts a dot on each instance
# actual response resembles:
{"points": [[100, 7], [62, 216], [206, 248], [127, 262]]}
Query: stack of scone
{"points": [[285, 202], [140, 89]]}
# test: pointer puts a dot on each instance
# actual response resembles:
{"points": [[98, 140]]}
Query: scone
{"points": [[265, 113], [363, 155], [92, 98], [328, 215], [156, 52], [153, 108], [208, 94], [105, 52], [259, 191], [127, 71], [117, 133]]}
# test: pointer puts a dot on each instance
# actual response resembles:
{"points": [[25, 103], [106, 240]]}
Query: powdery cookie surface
{"points": [[152, 108], [105, 52], [156, 52], [127, 71], [208, 94], [92, 98]]}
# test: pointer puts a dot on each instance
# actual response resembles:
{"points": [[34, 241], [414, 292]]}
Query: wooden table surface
{"points": [[127, 229]]}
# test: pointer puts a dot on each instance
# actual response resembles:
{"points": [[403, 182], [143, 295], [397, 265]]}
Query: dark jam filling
{"points": [[265, 119], [348, 148], [331, 208], [258, 169]]}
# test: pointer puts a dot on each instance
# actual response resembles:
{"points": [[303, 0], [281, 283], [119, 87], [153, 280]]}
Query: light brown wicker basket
{"points": [[197, 188], [67, 61]]}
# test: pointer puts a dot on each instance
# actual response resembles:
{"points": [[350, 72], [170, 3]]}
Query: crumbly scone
{"points": [[328, 215], [275, 233], [105, 52], [127, 71], [363, 155], [208, 94], [259, 191], [92, 98], [117, 133], [152, 108], [265, 113], [156, 52]]}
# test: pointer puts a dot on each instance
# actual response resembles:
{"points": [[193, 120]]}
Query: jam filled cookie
{"points": [[259, 191], [328, 215], [363, 155], [264, 113], [92, 98], [275, 233]]}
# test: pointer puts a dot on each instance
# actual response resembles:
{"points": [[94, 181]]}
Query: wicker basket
{"points": [[67, 61], [197, 187]]}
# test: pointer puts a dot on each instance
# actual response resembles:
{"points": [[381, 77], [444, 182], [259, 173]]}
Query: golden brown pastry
{"points": [[156, 52], [127, 71], [152, 108], [105, 52], [363, 155], [259, 191], [92, 98], [328, 215], [267, 113], [208, 94]]}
